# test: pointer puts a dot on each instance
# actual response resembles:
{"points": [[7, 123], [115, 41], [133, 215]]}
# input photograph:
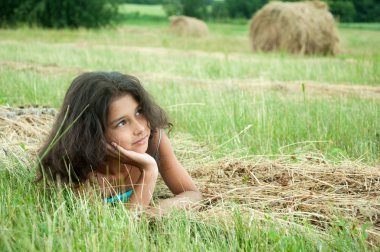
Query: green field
{"points": [[237, 103]]}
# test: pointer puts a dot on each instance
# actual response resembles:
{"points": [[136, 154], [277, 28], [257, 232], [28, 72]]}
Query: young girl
{"points": [[109, 133]]}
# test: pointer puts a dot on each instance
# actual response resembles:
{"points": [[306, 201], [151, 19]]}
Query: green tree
{"points": [[243, 8], [63, 13], [142, 1], [191, 8], [195, 8], [7, 12], [172, 7], [343, 10], [367, 10], [219, 10]]}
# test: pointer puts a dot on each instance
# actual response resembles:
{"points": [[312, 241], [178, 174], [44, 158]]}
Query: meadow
{"points": [[228, 106]]}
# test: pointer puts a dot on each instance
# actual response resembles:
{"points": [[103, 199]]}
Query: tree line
{"points": [[58, 13], [97, 13], [343, 10]]}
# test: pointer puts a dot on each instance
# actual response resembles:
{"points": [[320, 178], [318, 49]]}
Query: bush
{"points": [[191, 8], [151, 2], [343, 10], [367, 10], [63, 13], [219, 10], [172, 7], [195, 8], [243, 8], [7, 12]]}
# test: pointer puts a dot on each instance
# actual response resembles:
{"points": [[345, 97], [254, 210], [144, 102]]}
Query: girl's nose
{"points": [[139, 128]]}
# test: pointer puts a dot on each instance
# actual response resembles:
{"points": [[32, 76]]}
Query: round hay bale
{"points": [[188, 26], [296, 27]]}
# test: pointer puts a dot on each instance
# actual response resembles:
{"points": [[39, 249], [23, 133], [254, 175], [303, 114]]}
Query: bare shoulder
{"points": [[153, 141], [165, 145], [159, 142]]}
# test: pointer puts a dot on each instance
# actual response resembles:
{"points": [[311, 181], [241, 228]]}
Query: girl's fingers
{"points": [[134, 158], [110, 148], [112, 151], [118, 151]]}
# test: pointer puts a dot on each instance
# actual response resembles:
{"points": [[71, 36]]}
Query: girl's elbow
{"points": [[198, 196]]}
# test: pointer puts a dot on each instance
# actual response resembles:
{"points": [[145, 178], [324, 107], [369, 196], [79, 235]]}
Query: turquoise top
{"points": [[123, 197]]}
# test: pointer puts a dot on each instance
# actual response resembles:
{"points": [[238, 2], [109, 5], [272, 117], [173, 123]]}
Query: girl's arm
{"points": [[144, 188], [176, 178]]}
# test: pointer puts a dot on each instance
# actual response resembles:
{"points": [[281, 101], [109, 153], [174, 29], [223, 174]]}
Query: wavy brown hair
{"points": [[76, 144]]}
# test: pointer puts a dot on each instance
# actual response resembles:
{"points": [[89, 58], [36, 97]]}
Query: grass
{"points": [[236, 102], [56, 220], [40, 71], [142, 14], [363, 26], [149, 10], [349, 129]]}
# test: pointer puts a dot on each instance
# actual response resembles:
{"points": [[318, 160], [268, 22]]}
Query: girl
{"points": [[109, 133]]}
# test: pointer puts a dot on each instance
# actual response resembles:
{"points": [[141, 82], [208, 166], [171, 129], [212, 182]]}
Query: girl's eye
{"points": [[121, 123]]}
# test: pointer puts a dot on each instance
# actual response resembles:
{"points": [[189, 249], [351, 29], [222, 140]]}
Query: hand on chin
{"points": [[137, 156]]}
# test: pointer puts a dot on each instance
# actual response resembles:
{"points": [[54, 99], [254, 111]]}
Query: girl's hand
{"points": [[143, 161]]}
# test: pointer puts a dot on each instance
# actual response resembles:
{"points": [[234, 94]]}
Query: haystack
{"points": [[188, 26], [299, 27]]}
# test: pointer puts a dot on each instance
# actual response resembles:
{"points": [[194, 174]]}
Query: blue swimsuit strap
{"points": [[123, 197]]}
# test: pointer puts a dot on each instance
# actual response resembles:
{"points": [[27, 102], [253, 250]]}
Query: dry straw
{"points": [[300, 27], [310, 189], [188, 26]]}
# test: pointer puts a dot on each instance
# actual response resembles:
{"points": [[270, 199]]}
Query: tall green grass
{"points": [[220, 56], [39, 68], [37, 219], [340, 127]]}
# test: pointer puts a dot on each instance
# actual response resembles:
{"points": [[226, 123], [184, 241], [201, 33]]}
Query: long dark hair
{"points": [[76, 145]]}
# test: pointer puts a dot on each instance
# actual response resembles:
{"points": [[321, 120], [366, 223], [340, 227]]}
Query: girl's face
{"points": [[126, 125]]}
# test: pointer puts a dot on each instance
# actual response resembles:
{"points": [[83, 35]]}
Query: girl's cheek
{"points": [[111, 138]]}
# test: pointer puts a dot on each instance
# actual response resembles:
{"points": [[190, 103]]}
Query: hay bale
{"points": [[188, 26], [299, 27]]}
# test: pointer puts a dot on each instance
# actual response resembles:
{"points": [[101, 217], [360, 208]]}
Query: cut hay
{"points": [[299, 27], [316, 191], [311, 189], [188, 26], [22, 131]]}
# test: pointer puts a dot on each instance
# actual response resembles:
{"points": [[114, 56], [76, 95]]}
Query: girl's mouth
{"points": [[141, 141]]}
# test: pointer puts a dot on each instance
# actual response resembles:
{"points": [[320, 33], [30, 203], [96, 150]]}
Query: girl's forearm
{"points": [[183, 200], [144, 188]]}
